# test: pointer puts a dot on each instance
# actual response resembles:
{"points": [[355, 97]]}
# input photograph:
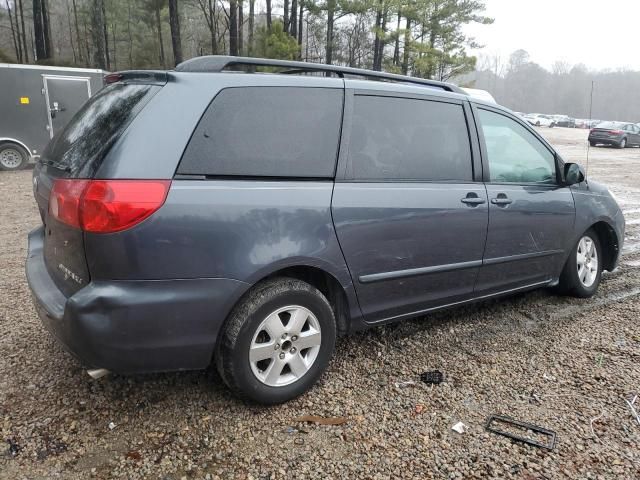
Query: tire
{"points": [[13, 157], [551, 125], [623, 143], [571, 280], [537, 124], [593, 144], [264, 316]]}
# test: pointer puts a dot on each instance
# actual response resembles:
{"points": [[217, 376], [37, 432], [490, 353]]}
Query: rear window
{"points": [[614, 125], [82, 145], [267, 131]]}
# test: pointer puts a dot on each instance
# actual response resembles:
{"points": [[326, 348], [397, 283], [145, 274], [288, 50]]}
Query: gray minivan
{"points": [[210, 215]]}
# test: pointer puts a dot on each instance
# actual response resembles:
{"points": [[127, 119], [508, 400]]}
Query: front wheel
{"points": [[277, 341], [12, 157], [583, 270]]}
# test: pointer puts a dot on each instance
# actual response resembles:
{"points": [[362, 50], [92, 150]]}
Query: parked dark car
{"points": [[618, 134], [201, 215]]}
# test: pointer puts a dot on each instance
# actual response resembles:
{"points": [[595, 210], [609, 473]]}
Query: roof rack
{"points": [[218, 63]]}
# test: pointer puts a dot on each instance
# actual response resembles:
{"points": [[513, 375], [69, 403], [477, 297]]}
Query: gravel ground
{"points": [[561, 363]]}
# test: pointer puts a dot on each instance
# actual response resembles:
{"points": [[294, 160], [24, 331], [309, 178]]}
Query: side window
{"points": [[406, 139], [515, 154], [267, 131]]}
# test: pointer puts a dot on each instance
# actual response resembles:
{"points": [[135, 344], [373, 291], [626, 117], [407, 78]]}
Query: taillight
{"points": [[615, 132], [106, 206]]}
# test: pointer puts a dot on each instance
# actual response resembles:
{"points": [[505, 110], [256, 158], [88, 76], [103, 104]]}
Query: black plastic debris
{"points": [[14, 448], [434, 377], [526, 428]]}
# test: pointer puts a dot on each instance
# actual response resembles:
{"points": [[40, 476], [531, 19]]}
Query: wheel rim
{"points": [[623, 143], [285, 346], [10, 158], [587, 261]]}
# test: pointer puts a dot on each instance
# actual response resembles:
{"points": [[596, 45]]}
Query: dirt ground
{"points": [[565, 364]]}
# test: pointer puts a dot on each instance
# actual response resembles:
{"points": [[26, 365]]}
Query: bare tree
{"points": [[15, 34], [25, 49], [174, 23], [97, 33]]}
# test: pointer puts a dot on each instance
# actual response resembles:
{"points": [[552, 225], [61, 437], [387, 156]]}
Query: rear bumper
{"points": [[606, 140], [133, 326]]}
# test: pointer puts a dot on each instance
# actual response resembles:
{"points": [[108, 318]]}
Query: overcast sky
{"points": [[599, 33]]}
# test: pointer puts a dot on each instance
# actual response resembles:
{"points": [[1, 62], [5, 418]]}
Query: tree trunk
{"points": [[241, 27], [212, 29], [331, 6], [300, 20], [252, 4], [73, 48], [286, 16], [97, 33], [38, 30], [159, 27], [174, 24], [46, 28], [396, 49], [269, 15], [78, 43], [25, 48], [106, 36], [407, 48], [294, 19], [15, 35], [233, 28]]}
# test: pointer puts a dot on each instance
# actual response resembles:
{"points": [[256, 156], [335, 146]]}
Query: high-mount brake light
{"points": [[106, 206], [113, 78]]}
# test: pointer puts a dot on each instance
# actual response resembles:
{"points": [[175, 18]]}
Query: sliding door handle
{"points": [[473, 201]]}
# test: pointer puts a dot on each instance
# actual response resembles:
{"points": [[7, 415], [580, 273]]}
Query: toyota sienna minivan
{"points": [[217, 214]]}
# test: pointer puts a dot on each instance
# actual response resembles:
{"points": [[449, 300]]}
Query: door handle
{"points": [[472, 200], [501, 199]]}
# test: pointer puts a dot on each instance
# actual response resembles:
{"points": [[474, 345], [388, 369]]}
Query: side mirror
{"points": [[573, 173]]}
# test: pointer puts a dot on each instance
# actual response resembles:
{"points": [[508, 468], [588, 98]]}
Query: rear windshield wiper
{"points": [[59, 166]]}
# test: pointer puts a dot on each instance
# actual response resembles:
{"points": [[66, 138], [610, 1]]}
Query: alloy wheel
{"points": [[285, 346], [587, 261]]}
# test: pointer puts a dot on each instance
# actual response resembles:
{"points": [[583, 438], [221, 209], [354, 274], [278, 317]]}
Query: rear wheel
{"points": [[593, 144], [583, 270], [623, 143], [277, 342], [13, 157]]}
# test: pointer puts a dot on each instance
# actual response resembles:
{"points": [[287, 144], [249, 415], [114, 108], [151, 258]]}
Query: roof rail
{"points": [[218, 63]]}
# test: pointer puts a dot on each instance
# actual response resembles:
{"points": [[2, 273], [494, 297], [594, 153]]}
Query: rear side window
{"points": [[82, 145], [267, 131], [407, 139]]}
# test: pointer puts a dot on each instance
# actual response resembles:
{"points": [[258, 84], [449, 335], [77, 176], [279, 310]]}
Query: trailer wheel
{"points": [[13, 157]]}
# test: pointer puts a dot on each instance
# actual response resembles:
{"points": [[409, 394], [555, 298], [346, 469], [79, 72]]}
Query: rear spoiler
{"points": [[153, 77]]}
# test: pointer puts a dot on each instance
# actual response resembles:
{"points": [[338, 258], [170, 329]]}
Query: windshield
{"points": [[82, 145]]}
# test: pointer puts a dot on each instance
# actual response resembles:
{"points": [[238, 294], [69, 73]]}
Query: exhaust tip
{"points": [[97, 373]]}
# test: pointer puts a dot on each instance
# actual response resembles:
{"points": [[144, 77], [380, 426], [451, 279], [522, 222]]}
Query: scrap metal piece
{"points": [[523, 425], [434, 377]]}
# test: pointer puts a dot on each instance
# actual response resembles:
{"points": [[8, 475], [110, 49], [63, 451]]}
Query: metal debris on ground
{"points": [[526, 427], [459, 427], [433, 377], [321, 420], [405, 384], [634, 412]]}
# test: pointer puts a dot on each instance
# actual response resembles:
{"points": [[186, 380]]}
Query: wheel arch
{"points": [[5, 140], [609, 243], [328, 285]]}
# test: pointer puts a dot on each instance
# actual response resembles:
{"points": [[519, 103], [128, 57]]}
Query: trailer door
{"points": [[64, 95]]}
